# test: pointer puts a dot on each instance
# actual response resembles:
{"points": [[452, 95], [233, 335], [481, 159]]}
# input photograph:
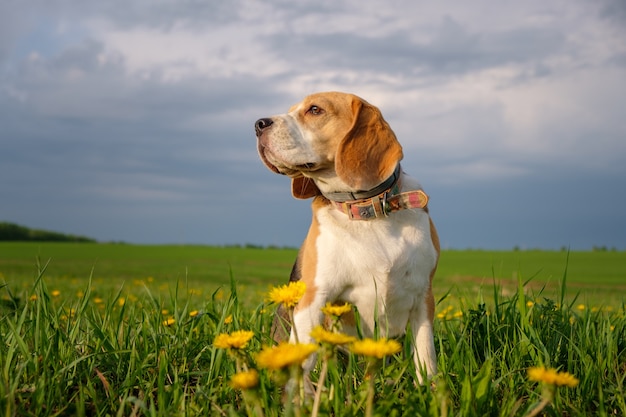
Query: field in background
{"points": [[596, 278], [131, 330]]}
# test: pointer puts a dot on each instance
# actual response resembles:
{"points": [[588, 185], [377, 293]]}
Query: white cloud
{"points": [[574, 117], [155, 100]]}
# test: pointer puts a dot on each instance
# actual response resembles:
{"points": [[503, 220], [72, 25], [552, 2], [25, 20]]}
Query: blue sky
{"points": [[133, 120]]}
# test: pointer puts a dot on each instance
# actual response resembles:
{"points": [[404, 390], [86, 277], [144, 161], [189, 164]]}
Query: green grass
{"points": [[111, 266], [136, 338], [595, 277]]}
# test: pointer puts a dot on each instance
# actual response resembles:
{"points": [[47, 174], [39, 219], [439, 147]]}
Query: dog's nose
{"points": [[261, 125]]}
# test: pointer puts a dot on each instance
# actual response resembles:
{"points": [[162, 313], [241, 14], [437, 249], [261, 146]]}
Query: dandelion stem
{"points": [[294, 391], [320, 386], [369, 405], [544, 402], [251, 401], [293, 326]]}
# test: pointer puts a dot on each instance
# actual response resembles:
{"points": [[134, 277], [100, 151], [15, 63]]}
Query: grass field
{"points": [[106, 329], [598, 277]]}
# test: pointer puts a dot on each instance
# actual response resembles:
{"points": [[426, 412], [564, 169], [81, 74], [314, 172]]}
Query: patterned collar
{"points": [[380, 201]]}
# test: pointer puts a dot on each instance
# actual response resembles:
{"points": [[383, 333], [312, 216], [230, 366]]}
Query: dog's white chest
{"points": [[382, 267]]}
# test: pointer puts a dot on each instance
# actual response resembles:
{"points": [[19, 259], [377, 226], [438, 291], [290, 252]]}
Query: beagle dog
{"points": [[371, 242]]}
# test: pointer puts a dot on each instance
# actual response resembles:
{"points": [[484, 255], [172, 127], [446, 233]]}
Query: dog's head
{"points": [[331, 142]]}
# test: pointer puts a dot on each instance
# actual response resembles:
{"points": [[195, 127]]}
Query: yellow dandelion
{"points": [[169, 321], [121, 301], [193, 313], [458, 314], [236, 340], [165, 312], [245, 380], [98, 300], [55, 293], [324, 336], [529, 303], [444, 313], [289, 294], [580, 307], [284, 354], [336, 310], [375, 348], [228, 319], [33, 297], [80, 294], [552, 376]]}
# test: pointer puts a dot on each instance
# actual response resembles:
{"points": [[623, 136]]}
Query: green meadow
{"points": [[597, 277], [128, 330]]}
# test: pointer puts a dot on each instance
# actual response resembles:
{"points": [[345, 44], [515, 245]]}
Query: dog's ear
{"points": [[369, 153], [303, 188]]}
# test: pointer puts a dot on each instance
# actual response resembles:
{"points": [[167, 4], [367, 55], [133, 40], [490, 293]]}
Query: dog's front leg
{"points": [[304, 320], [424, 352]]}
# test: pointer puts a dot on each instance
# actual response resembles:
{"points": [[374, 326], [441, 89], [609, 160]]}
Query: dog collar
{"points": [[382, 205], [341, 196], [386, 200]]}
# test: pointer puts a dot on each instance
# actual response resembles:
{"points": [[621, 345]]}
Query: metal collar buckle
{"points": [[384, 204]]}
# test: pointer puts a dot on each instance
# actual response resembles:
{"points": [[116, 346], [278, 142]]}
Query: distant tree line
{"points": [[16, 233], [256, 246]]}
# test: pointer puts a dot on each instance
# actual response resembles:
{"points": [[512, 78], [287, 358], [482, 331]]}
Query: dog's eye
{"points": [[315, 110]]}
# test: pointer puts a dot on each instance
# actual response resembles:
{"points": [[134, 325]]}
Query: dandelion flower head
{"points": [[551, 376], [324, 336], [289, 294], [375, 348], [336, 310], [284, 354], [235, 340], [245, 380]]}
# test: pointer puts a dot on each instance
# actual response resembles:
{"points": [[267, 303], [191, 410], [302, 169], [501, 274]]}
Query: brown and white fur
{"points": [[337, 142]]}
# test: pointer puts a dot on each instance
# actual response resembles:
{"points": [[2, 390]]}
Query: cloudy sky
{"points": [[133, 120]]}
